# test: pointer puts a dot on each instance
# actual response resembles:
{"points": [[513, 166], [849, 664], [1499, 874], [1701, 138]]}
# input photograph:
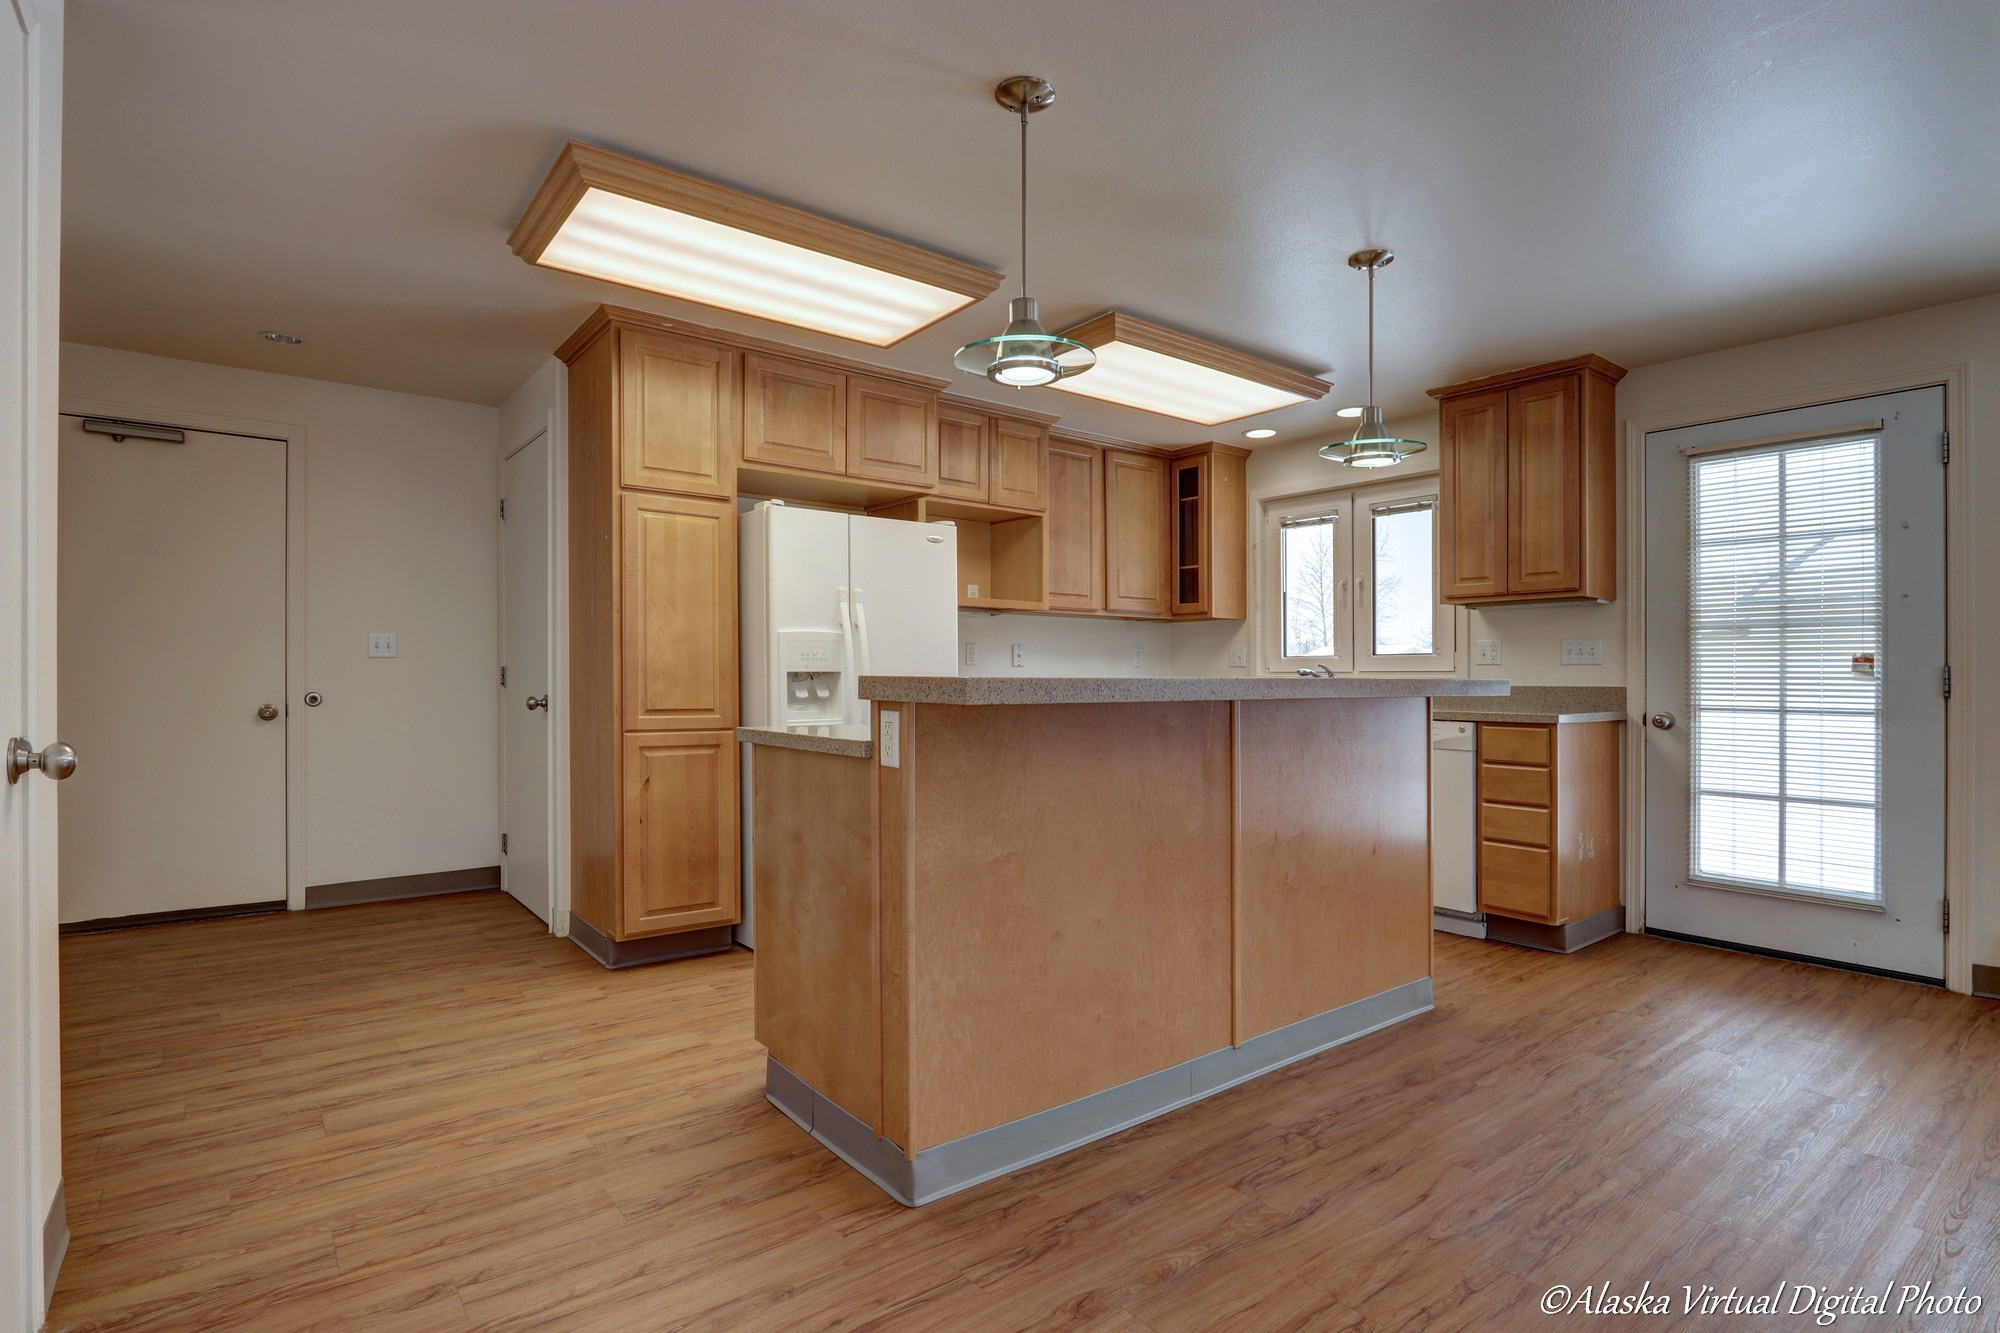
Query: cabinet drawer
{"points": [[1509, 743], [1511, 785], [1515, 881], [1514, 823]]}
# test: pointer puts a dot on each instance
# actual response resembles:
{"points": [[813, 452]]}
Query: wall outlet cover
{"points": [[890, 748], [381, 645], [1583, 652], [1020, 656], [971, 653], [1237, 657], [1489, 652], [1138, 657]]}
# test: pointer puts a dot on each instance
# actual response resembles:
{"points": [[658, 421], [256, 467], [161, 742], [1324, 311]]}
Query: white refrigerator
{"points": [[828, 597]]}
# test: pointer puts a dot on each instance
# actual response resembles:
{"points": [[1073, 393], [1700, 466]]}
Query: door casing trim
{"points": [[293, 436], [1961, 760]]}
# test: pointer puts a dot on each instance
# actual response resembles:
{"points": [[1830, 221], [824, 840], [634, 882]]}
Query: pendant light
{"points": [[1026, 355], [1372, 445]]}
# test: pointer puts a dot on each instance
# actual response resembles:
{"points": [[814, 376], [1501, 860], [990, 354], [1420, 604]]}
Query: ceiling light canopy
{"points": [[612, 217], [1142, 365], [1025, 355], [1371, 445]]}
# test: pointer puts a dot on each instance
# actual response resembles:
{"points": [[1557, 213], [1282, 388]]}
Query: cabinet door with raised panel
{"points": [[677, 613], [1545, 486], [1472, 495], [679, 399], [892, 433], [794, 415], [1076, 527], [962, 438], [1020, 469], [1135, 534], [679, 856]]}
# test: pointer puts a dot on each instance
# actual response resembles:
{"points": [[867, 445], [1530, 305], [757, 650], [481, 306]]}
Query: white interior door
{"points": [[171, 641], [32, 1233], [1795, 646], [526, 732]]}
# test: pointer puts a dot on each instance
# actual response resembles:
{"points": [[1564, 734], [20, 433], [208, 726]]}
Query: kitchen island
{"points": [[1032, 912]]}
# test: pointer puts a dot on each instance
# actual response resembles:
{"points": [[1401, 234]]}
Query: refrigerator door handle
{"points": [[847, 666], [862, 667]]}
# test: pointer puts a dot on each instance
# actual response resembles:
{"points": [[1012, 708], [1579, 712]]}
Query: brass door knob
{"points": [[267, 712]]}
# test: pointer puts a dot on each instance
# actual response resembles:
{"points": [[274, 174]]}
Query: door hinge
{"points": [[503, 511], [503, 844], [1945, 682], [1944, 448], [1947, 916], [503, 678]]}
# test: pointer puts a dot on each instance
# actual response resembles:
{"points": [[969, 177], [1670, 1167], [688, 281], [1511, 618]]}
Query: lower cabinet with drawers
{"points": [[1548, 832]]}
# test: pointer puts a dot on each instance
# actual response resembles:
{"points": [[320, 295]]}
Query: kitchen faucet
{"points": [[1317, 669]]}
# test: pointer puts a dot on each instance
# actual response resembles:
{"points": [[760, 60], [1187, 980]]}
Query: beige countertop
{"points": [[853, 747], [1539, 703], [1160, 689]]}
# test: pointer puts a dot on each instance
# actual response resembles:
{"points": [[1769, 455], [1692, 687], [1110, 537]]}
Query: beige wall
{"points": [[1064, 645], [401, 497]]}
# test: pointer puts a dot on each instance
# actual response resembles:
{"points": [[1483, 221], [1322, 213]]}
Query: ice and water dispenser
{"points": [[812, 661]]}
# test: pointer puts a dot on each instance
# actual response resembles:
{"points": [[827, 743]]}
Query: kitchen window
{"points": [[1353, 580]]}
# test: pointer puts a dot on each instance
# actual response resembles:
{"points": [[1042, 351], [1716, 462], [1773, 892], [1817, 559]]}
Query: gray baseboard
{"points": [[394, 888], [1986, 981], [653, 949], [55, 1244], [1556, 939], [950, 1167]]}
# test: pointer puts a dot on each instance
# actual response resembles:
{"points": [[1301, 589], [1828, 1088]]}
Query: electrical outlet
{"points": [[1583, 652], [972, 592], [1138, 657], [890, 748], [1020, 657], [1489, 652], [1237, 657], [381, 645], [971, 653]]}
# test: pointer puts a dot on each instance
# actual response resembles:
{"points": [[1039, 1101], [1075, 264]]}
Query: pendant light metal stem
{"points": [[1024, 198]]}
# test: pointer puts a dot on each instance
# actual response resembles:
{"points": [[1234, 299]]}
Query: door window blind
{"points": [[1786, 662]]}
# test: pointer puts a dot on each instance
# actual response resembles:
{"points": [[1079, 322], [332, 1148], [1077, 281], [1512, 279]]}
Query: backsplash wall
{"points": [[1063, 645]]}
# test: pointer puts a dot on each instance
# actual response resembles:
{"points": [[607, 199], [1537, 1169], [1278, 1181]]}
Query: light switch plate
{"points": [[890, 747], [1489, 652], [1020, 657], [1583, 652], [381, 645]]}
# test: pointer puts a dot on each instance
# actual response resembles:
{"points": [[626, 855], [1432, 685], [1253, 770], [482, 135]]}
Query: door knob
{"points": [[267, 712], [534, 703], [58, 761], [1664, 721]]}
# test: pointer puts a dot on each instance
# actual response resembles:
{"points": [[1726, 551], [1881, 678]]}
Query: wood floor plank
{"points": [[432, 1115]]}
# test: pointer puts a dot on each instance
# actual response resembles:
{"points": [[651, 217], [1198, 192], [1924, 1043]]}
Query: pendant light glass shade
{"points": [[1026, 355], [1371, 445]]}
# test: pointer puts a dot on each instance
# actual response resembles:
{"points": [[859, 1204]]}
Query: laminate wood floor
{"points": [[432, 1115]]}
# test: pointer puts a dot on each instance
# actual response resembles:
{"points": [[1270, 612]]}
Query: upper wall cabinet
{"points": [[1208, 540], [1135, 535], [679, 399], [1076, 526], [993, 456], [1527, 485], [794, 415], [962, 437], [892, 433]]}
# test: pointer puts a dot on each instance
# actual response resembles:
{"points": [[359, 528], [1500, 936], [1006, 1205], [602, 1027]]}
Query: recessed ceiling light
{"points": [[282, 339], [1142, 365], [640, 225], [1350, 411], [1261, 433]]}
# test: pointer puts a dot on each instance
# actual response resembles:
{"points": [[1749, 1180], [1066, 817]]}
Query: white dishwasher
{"points": [[1454, 829]]}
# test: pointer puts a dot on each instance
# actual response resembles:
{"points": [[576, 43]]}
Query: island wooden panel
{"points": [[1074, 934], [1333, 855], [817, 994]]}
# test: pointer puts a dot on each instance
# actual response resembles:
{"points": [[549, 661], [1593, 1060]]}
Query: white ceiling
{"points": [[1643, 179]]}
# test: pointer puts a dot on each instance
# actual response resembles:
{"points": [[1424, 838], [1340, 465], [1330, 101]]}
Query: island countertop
{"points": [[1163, 689]]}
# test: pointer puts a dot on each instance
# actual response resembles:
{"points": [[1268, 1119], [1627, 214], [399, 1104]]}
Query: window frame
{"points": [[1354, 511]]}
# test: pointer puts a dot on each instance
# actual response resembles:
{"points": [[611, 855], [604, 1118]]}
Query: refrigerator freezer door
{"points": [[806, 572], [904, 581]]}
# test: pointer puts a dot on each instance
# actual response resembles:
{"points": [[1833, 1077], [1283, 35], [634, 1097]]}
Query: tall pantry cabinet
{"points": [[653, 425]]}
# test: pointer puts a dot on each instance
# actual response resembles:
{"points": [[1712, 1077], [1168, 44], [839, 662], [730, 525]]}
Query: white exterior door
{"points": [[172, 662], [1795, 650], [32, 1232], [526, 730]]}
